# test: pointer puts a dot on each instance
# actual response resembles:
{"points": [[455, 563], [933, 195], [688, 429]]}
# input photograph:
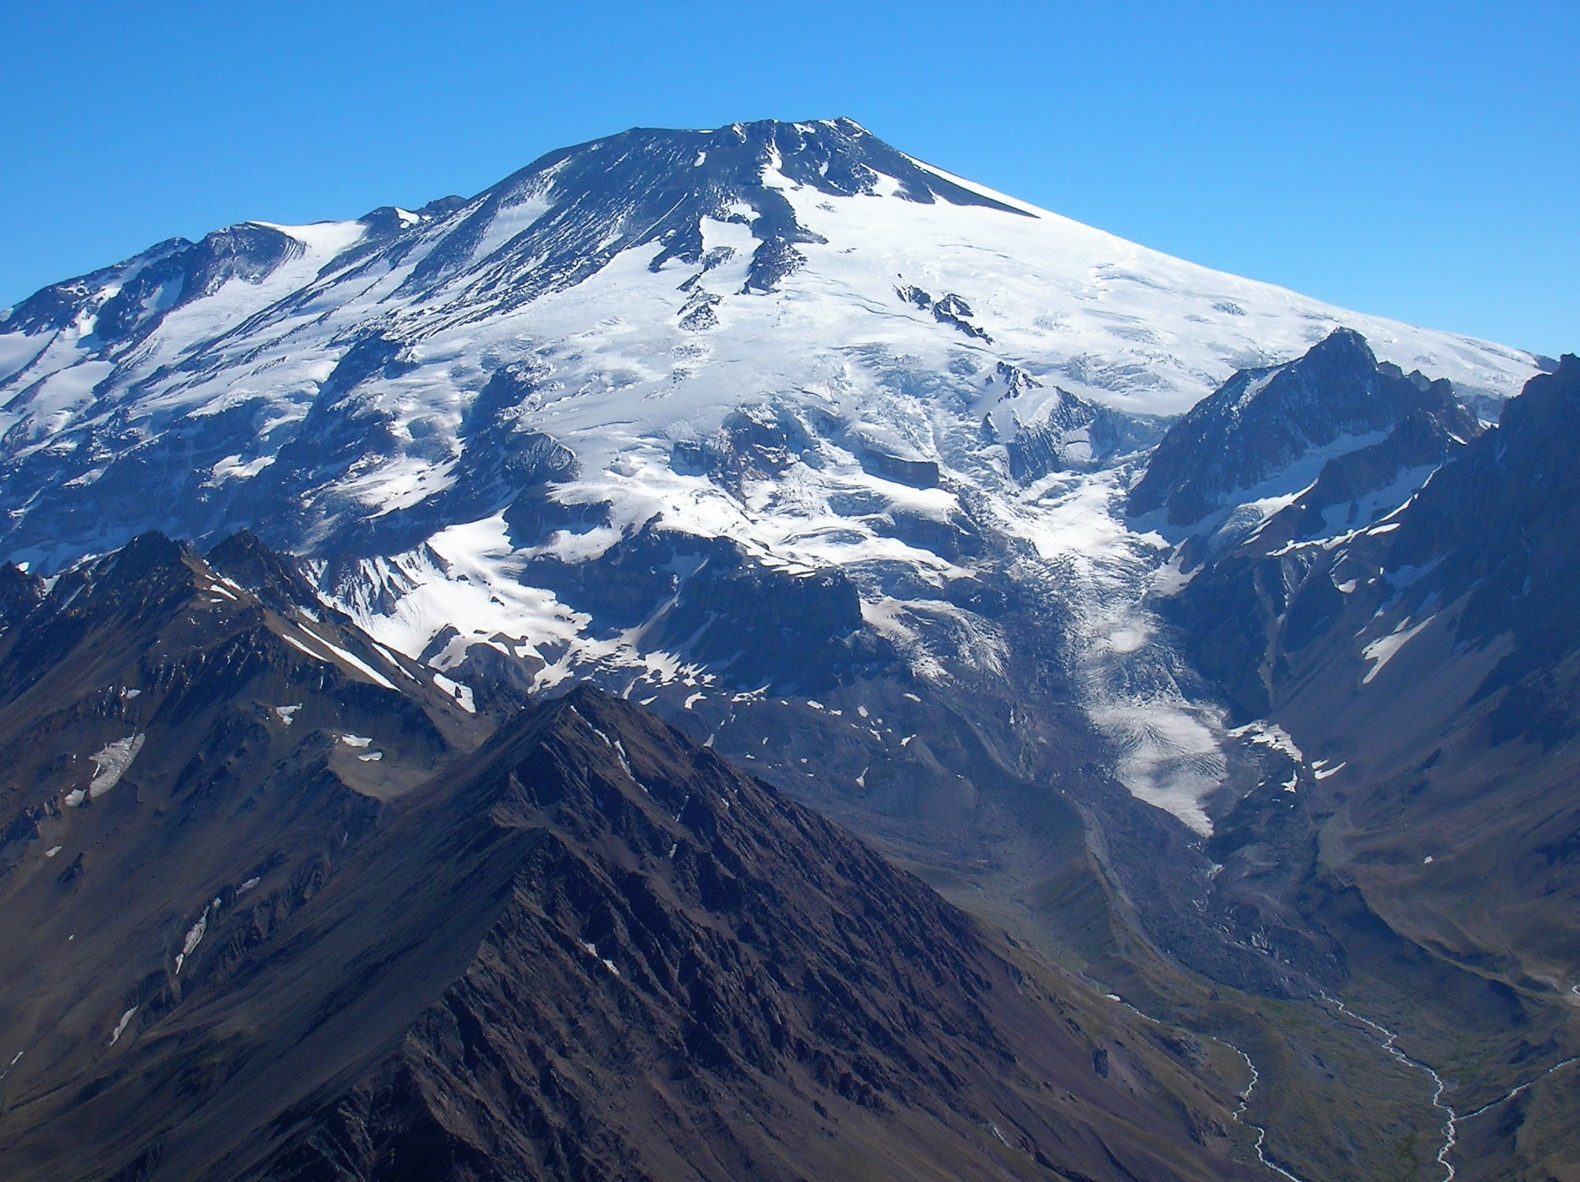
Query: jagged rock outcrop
{"points": [[1271, 431]]}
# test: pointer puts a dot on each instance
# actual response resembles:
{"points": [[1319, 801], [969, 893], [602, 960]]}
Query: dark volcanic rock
{"points": [[1428, 669], [274, 578], [1069, 434], [649, 187], [1503, 525], [149, 286], [915, 473], [1494, 527], [20, 592], [706, 598], [753, 443]]}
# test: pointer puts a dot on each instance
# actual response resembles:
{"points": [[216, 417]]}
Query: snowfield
{"points": [[903, 329]]}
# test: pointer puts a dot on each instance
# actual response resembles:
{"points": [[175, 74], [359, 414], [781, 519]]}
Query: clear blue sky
{"points": [[1415, 160]]}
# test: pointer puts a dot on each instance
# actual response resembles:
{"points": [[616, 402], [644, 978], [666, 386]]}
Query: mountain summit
{"points": [[625, 292], [968, 524], [649, 187], [766, 406], [771, 406]]}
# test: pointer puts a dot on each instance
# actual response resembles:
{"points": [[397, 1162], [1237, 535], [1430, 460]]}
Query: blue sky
{"points": [[1414, 160]]}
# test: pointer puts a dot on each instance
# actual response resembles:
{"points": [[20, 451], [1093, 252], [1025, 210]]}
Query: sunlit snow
{"points": [[1382, 650], [110, 763], [120, 1026], [627, 375]]}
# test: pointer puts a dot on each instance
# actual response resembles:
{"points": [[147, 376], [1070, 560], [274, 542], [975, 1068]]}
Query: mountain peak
{"points": [[147, 554], [274, 578], [1267, 431], [580, 207], [640, 287], [1342, 342]]}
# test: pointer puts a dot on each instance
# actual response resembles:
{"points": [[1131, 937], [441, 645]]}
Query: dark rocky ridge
{"points": [[169, 275], [1073, 434], [1429, 670], [587, 949], [646, 183], [973, 747], [1264, 421], [236, 798], [1492, 528], [797, 631], [19, 593]]}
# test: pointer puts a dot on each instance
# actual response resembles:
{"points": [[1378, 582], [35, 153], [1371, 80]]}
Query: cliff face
{"points": [[688, 977]]}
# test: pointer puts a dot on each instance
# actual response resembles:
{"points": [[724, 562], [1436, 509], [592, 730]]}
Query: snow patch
{"points": [[462, 694], [195, 934], [1379, 652], [336, 651], [120, 1027], [1270, 735], [111, 762]]}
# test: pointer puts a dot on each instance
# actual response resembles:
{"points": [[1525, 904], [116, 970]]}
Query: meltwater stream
{"points": [[1244, 1099], [1452, 1120], [1387, 1038], [1261, 1133]]}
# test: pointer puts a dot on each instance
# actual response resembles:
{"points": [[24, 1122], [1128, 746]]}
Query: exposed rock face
{"points": [[1282, 424], [637, 989], [19, 592], [796, 630], [1501, 524], [1490, 533], [162, 279], [277, 580], [753, 443], [1267, 478], [825, 456]]}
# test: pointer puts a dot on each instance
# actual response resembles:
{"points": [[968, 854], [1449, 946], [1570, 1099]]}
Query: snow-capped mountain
{"points": [[846, 375], [622, 297], [1410, 677], [1322, 445], [977, 527]]}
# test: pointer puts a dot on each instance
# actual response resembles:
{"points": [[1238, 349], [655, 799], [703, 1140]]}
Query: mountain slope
{"points": [[831, 459], [1272, 430], [770, 374], [629, 293], [1420, 676], [587, 949]]}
